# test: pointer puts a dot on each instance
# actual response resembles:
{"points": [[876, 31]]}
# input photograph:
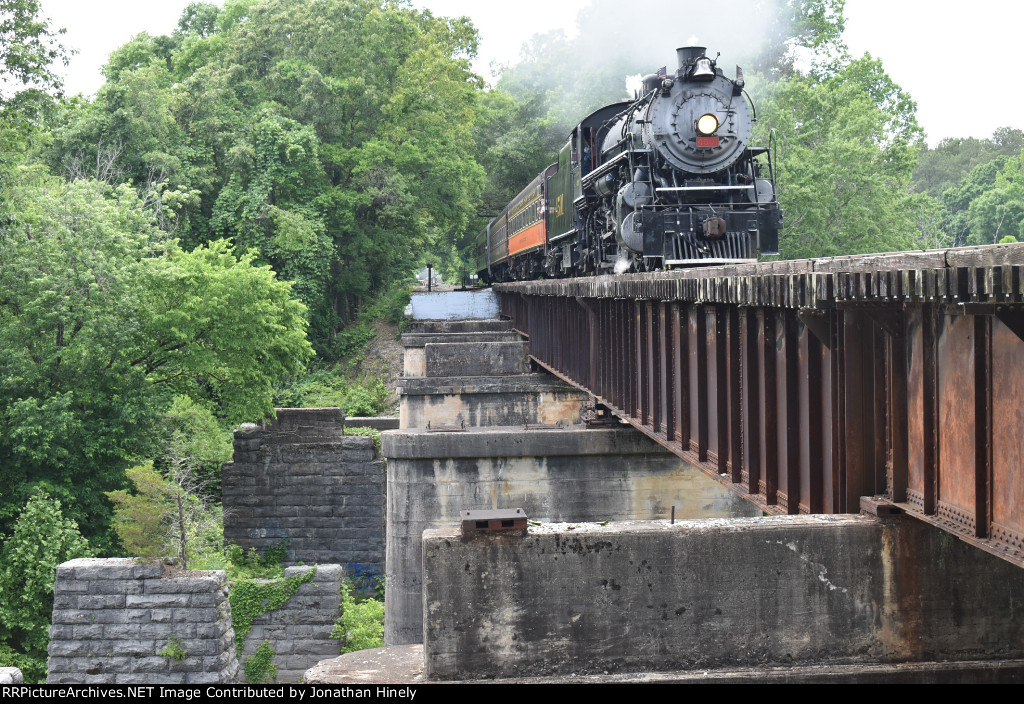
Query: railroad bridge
{"points": [[889, 382], [881, 384]]}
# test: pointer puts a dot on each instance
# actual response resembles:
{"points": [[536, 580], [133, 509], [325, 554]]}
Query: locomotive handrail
{"points": [[605, 167], [672, 189]]}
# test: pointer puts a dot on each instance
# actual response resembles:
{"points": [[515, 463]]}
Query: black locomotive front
{"points": [[686, 188]]}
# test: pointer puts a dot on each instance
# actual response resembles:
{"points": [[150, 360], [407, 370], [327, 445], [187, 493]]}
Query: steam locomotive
{"points": [[663, 181]]}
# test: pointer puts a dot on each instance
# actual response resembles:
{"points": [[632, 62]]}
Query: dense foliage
{"points": [[361, 624], [42, 539], [856, 117], [971, 185], [332, 138], [104, 322], [272, 167]]}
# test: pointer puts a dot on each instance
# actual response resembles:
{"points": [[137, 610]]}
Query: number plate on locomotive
{"points": [[707, 141]]}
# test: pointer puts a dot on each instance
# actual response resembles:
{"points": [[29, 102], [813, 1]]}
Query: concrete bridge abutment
{"points": [[799, 592], [559, 474]]}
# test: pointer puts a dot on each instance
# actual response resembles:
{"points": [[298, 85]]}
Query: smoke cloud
{"points": [[650, 32], [615, 41]]}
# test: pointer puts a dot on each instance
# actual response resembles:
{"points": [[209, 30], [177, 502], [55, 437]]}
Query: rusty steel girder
{"points": [[806, 385]]}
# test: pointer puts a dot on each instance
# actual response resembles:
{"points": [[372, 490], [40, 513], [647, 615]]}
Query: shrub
{"points": [[361, 625], [369, 399], [174, 651], [167, 515]]}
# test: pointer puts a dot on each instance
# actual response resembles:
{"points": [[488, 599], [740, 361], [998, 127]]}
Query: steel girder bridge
{"points": [[886, 383]]}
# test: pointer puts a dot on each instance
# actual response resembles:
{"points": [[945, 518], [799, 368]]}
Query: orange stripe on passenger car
{"points": [[527, 238]]}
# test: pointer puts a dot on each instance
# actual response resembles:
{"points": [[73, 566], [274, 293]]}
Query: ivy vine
{"points": [[251, 599], [259, 667]]}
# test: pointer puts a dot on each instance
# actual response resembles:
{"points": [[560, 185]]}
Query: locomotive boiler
{"points": [[666, 180]]}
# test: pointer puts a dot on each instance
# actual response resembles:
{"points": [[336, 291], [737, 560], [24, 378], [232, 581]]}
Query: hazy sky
{"points": [[958, 61]]}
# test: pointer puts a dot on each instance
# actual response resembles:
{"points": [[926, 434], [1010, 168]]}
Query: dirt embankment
{"points": [[383, 358]]}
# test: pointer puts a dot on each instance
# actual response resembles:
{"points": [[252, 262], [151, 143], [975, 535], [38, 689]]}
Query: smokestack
{"points": [[688, 54]]}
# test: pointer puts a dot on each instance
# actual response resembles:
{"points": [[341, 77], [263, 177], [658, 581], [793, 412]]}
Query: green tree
{"points": [[193, 436], [165, 515], [29, 47], [42, 539], [140, 517], [952, 160], [332, 138], [999, 211], [103, 323], [198, 19], [847, 145], [957, 200]]}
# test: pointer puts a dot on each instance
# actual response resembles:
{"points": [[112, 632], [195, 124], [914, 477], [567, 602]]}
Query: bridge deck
{"points": [[806, 385]]}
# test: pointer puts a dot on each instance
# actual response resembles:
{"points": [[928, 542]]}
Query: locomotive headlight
{"points": [[707, 124]]}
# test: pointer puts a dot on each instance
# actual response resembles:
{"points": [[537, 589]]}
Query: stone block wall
{"points": [[299, 481], [112, 617], [300, 630]]}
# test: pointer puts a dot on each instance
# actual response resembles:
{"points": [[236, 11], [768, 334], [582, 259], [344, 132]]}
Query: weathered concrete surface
{"points": [[443, 326], [454, 305], [414, 357], [555, 475], [475, 359], [643, 596], [489, 401], [403, 664], [300, 481], [414, 362], [421, 339], [112, 617]]}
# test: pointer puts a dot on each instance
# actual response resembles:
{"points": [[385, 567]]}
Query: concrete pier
{"points": [[480, 431], [517, 399], [571, 474], [793, 591]]}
